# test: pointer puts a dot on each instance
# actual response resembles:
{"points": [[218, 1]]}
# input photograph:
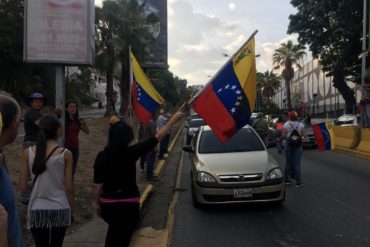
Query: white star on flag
{"points": [[233, 87], [233, 110], [219, 91], [227, 86], [237, 103], [238, 92], [240, 98]]}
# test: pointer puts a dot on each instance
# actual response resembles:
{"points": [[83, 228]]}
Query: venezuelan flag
{"points": [[145, 98], [323, 133], [228, 99]]}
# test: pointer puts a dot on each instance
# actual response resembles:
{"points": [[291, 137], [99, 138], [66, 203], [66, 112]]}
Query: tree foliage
{"points": [[171, 88], [286, 57], [267, 83], [17, 77], [332, 29]]}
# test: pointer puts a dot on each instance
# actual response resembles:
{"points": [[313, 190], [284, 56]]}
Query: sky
{"points": [[201, 31]]}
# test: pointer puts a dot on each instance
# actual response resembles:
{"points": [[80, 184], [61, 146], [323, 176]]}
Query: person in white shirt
{"points": [[293, 132]]}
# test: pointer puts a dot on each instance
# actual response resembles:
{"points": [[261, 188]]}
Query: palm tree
{"points": [[286, 57], [267, 83]]}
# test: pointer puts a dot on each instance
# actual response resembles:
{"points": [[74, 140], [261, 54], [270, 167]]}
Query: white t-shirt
{"points": [[293, 125]]}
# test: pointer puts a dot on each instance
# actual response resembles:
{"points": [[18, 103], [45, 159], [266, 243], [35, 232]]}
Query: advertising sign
{"points": [[156, 53], [59, 31]]}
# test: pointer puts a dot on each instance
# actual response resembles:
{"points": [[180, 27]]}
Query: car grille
{"points": [[230, 198], [240, 178]]}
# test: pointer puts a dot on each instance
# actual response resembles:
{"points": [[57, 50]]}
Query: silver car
{"points": [[237, 171]]}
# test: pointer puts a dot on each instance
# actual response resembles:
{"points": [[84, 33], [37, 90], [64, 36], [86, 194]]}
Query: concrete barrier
{"points": [[346, 137], [364, 145]]}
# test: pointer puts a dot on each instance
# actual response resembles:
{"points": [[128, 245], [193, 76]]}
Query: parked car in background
{"points": [[193, 126], [348, 120], [237, 171]]}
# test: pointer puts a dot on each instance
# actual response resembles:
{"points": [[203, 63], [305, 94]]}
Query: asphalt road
{"points": [[331, 209]]}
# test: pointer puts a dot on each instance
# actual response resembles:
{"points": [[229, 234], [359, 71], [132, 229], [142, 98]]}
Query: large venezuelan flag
{"points": [[323, 133], [228, 99], [145, 98]]}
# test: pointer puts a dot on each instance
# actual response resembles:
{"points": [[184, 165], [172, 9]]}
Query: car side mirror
{"points": [[186, 127], [188, 149]]}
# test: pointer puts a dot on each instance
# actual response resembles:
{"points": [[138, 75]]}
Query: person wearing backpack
{"points": [[293, 131]]}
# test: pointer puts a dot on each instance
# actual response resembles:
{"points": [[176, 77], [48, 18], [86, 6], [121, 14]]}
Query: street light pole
{"points": [[364, 34]]}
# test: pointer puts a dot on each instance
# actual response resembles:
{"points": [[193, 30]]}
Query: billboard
{"points": [[59, 31], [156, 53]]}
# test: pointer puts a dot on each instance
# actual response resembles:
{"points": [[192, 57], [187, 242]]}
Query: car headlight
{"points": [[275, 173], [204, 177]]}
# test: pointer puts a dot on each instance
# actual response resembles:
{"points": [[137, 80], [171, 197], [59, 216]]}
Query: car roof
{"points": [[207, 128]]}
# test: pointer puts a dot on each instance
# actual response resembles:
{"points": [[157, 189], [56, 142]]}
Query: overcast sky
{"points": [[200, 31]]}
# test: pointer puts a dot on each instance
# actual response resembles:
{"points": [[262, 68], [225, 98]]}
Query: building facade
{"points": [[312, 91]]}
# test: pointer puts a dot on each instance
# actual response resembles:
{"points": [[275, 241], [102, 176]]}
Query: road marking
{"points": [[171, 210]]}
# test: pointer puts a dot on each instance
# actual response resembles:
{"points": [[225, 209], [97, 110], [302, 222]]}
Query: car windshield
{"points": [[243, 141], [196, 123]]}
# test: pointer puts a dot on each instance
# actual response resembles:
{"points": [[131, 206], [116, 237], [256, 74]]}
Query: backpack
{"points": [[295, 138]]}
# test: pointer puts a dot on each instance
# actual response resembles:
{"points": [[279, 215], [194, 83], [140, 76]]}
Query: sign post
{"points": [[60, 32]]}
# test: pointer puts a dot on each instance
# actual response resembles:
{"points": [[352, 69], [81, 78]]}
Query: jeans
{"points": [[45, 237], [163, 145], [75, 154], [293, 162], [122, 219], [149, 158]]}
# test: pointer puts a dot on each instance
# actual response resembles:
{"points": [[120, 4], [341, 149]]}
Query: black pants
{"points": [[122, 219], [49, 237]]}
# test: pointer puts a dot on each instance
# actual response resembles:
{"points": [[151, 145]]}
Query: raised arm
{"points": [[174, 119]]}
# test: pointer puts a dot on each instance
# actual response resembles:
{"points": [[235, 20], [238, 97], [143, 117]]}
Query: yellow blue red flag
{"points": [[324, 136], [145, 98], [228, 99]]}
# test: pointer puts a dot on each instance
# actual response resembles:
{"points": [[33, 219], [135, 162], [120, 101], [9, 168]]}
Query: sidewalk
{"points": [[93, 233]]}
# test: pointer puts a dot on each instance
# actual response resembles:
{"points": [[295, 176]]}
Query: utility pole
{"points": [[364, 49]]}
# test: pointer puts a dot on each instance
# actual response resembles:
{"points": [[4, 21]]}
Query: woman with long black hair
{"points": [[51, 202], [73, 125], [115, 179]]}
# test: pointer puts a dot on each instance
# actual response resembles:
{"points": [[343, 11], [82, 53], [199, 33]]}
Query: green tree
{"points": [[133, 31], [267, 83], [108, 46], [286, 57], [332, 30], [17, 77]]}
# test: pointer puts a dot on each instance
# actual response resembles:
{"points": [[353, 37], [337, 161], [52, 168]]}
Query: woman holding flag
{"points": [[115, 178]]}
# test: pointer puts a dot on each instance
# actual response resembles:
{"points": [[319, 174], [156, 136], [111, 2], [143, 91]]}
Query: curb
{"points": [[353, 153], [158, 170]]}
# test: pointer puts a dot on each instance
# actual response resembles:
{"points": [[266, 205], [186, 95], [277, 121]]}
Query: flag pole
{"points": [[219, 71], [131, 82]]}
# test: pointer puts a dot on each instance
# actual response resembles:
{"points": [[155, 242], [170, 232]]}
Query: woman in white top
{"points": [[293, 131], [51, 202]]}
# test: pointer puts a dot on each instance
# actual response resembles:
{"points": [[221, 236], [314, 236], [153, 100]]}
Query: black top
{"points": [[117, 171], [30, 128]]}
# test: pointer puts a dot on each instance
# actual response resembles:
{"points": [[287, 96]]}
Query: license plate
{"points": [[243, 193]]}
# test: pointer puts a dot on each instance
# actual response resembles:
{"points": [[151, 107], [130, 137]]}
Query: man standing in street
{"points": [[10, 112]]}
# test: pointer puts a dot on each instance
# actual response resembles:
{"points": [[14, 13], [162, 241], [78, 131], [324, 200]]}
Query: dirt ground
{"points": [[90, 145]]}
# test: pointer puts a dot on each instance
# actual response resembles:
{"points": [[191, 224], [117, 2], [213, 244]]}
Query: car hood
{"points": [[236, 163]]}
